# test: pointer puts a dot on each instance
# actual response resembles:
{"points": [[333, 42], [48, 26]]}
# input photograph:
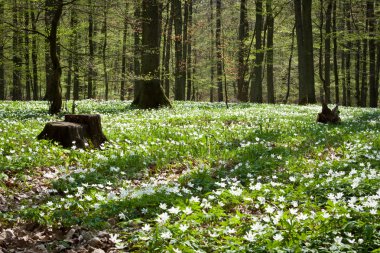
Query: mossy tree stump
{"points": [[79, 130]]}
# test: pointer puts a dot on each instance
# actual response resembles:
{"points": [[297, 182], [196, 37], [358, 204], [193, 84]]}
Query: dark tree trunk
{"points": [[189, 51], [75, 55], [49, 5], [364, 88], [55, 79], [180, 70], [290, 66], [185, 42], [373, 87], [124, 55], [242, 68], [17, 61], [136, 49], [327, 79], [303, 92], [256, 85], [212, 45], [335, 52], [357, 73], [151, 94], [34, 55], [344, 87], [28, 74], [218, 43], [91, 63], [348, 54], [168, 49], [270, 75], [71, 56], [104, 49], [2, 66]]}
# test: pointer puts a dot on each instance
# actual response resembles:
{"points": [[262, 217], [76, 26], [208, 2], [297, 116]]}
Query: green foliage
{"points": [[199, 177]]}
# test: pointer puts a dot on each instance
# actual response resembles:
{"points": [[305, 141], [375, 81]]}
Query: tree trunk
{"points": [[34, 55], [290, 67], [28, 74], [270, 75], [344, 87], [71, 56], [124, 55], [189, 51], [75, 55], [55, 80], [335, 52], [185, 42], [168, 49], [104, 49], [2, 66], [151, 94], [91, 63], [218, 43], [373, 87], [327, 79], [180, 71], [136, 49], [364, 88], [49, 5], [17, 61], [357, 72], [242, 68], [212, 45], [348, 54]]}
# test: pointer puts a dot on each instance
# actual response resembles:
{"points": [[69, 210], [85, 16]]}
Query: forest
{"points": [[218, 50], [189, 126]]}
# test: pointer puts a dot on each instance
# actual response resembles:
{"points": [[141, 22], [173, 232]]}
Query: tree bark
{"points": [[373, 87], [168, 49], [290, 67], [151, 94], [28, 74], [180, 71], [218, 43], [75, 55], [269, 60], [124, 55], [55, 79], [357, 72], [2, 66], [17, 61], [185, 42], [104, 49], [335, 53], [348, 54], [364, 88], [189, 51], [327, 79], [136, 49], [242, 68], [91, 63], [212, 45]]}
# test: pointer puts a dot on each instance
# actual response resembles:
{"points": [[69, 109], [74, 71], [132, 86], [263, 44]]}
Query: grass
{"points": [[202, 178]]}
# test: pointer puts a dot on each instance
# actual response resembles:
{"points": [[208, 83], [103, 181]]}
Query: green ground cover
{"points": [[200, 177]]}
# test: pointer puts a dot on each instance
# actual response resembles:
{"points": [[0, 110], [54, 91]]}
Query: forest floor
{"points": [[194, 178]]}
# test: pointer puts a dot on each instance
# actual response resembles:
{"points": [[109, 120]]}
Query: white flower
{"points": [[183, 227], [163, 206], [188, 211], [236, 191], [194, 199], [162, 218], [293, 211], [121, 216], [249, 236], [113, 238], [166, 235], [278, 237], [269, 209], [174, 210], [177, 250]]}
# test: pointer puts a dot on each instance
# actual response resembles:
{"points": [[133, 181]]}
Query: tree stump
{"points": [[78, 130], [328, 116]]}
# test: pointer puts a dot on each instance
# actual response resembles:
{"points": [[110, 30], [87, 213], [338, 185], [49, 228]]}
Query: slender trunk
{"points": [[28, 74], [270, 74], [136, 49], [321, 58], [373, 87], [185, 41], [55, 80], [75, 55], [327, 78], [344, 87], [348, 54], [335, 52], [71, 56], [48, 64], [168, 50], [104, 49], [124, 55], [2, 66], [91, 63], [242, 91], [218, 43], [357, 73], [180, 72], [290, 66], [17, 61], [256, 84], [212, 63], [364, 88], [189, 50]]}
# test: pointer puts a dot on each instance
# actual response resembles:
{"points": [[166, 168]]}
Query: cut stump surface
{"points": [[79, 130]]}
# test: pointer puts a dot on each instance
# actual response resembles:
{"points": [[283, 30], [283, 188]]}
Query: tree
{"points": [[55, 98], [242, 84], [124, 54], [373, 87], [2, 65], [305, 51], [17, 61], [269, 60], [218, 43], [256, 83], [150, 94], [91, 62], [180, 70]]}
